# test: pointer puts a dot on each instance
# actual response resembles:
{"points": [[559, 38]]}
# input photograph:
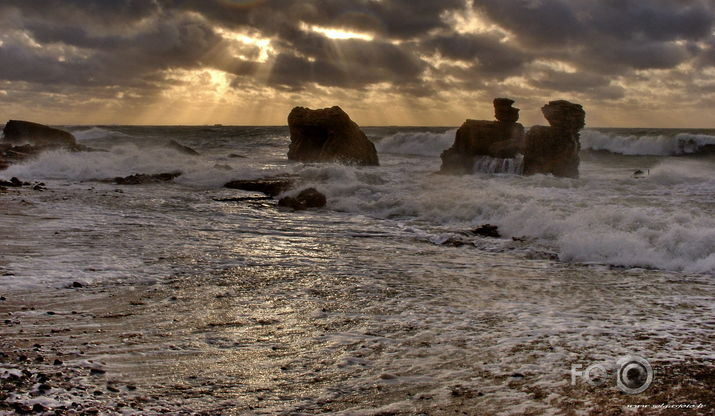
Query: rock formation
{"points": [[17, 131], [307, 198], [554, 150], [499, 139], [143, 179], [271, 186], [328, 135]]}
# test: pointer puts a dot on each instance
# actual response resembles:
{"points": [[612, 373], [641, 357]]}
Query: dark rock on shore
{"points": [[13, 183], [328, 135], [487, 230], [10, 154], [498, 139], [270, 186], [307, 198], [18, 131], [554, 150], [23, 140], [141, 179]]}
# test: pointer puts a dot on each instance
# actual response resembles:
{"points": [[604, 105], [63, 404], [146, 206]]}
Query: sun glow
{"points": [[333, 33], [263, 44]]}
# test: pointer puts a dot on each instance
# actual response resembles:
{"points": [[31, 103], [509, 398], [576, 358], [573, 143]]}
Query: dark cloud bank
{"points": [[626, 53]]}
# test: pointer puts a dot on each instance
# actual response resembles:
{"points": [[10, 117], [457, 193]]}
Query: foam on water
{"points": [[416, 143], [595, 219], [663, 220], [94, 133], [661, 145], [128, 159]]}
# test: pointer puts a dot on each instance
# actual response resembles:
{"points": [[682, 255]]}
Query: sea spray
{"points": [[416, 143], [656, 144], [487, 164]]}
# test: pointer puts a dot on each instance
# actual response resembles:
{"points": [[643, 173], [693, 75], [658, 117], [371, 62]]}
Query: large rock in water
{"points": [[554, 150], [499, 139], [328, 135], [18, 131]]}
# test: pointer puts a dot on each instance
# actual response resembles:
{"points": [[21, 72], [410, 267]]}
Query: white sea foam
{"points": [[663, 220], [128, 159], [487, 164], [627, 222], [416, 143], [94, 133], [659, 145]]}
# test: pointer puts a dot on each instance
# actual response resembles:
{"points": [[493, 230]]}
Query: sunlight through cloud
{"points": [[333, 33]]}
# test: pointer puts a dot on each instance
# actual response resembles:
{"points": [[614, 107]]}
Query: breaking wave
{"points": [[416, 143], [128, 159], [94, 133], [655, 145]]}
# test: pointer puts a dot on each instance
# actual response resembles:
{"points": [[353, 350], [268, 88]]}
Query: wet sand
{"points": [[191, 347]]}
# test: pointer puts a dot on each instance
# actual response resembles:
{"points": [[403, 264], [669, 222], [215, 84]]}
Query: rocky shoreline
{"points": [[109, 349]]}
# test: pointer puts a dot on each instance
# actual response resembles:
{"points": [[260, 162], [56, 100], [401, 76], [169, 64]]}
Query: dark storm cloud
{"points": [[487, 54], [633, 33], [133, 43]]}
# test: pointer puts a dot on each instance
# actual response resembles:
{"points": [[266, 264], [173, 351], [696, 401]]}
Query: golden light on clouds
{"points": [[334, 33], [263, 44]]}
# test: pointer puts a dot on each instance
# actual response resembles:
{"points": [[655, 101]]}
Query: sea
{"points": [[386, 286]]}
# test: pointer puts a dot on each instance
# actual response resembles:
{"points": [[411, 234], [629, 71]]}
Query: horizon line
{"points": [[361, 126]]}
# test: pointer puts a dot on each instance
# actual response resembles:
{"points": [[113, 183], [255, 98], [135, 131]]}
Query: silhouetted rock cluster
{"points": [[547, 150], [500, 139], [555, 149], [328, 135]]}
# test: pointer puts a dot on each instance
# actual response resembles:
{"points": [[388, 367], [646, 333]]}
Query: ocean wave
{"points": [[127, 159], [94, 133], [416, 143], [656, 145], [578, 220]]}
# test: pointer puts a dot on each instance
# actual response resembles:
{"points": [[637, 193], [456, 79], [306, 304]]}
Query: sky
{"points": [[630, 63]]}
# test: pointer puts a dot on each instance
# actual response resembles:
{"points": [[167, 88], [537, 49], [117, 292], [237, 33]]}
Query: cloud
{"points": [[598, 50]]}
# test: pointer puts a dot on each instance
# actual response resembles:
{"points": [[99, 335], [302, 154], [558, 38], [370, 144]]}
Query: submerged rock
{"points": [[173, 144], [307, 198], [13, 182], [554, 150], [498, 139], [18, 131], [141, 179], [328, 135], [270, 186], [487, 230]]}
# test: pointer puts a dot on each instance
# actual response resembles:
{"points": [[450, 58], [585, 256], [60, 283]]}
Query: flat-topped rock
{"points": [[565, 115]]}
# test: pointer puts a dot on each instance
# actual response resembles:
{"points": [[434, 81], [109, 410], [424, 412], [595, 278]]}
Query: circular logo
{"points": [[595, 375], [634, 374]]}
